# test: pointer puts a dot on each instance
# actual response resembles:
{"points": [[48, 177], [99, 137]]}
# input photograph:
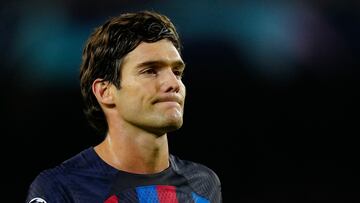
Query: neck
{"points": [[141, 153]]}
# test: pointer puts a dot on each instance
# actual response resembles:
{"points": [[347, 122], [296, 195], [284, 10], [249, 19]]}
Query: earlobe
{"points": [[102, 91]]}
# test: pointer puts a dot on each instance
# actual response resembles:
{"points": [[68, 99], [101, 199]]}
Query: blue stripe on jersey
{"points": [[147, 194], [198, 199]]}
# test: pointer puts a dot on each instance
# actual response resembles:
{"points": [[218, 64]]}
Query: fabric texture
{"points": [[86, 178]]}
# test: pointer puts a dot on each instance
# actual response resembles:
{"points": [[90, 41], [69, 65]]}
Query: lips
{"points": [[169, 98]]}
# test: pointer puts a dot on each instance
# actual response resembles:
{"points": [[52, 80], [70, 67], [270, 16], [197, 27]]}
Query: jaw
{"points": [[164, 124]]}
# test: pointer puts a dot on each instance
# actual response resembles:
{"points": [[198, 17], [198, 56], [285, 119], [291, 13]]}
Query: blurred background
{"points": [[272, 92]]}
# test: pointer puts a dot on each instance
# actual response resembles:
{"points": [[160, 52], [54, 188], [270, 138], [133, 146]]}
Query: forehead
{"points": [[162, 50]]}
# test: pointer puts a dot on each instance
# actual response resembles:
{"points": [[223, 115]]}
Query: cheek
{"points": [[137, 96], [127, 95], [183, 90]]}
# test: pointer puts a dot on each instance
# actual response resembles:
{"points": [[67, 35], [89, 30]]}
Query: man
{"points": [[131, 84]]}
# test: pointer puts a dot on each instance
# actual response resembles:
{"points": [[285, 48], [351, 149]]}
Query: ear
{"points": [[102, 91]]}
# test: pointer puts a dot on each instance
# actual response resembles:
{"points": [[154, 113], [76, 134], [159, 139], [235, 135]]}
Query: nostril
{"points": [[173, 88]]}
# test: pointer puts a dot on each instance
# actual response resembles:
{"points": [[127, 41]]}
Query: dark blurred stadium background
{"points": [[272, 103]]}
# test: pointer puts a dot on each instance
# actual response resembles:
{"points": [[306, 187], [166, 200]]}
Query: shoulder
{"points": [[194, 170], [79, 162], [201, 178], [52, 184], [47, 186]]}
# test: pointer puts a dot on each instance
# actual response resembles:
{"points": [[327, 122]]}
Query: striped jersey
{"points": [[86, 178]]}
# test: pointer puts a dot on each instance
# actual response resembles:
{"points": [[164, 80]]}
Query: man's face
{"points": [[151, 94]]}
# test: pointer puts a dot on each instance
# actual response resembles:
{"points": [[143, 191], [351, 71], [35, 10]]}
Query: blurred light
{"points": [[48, 45]]}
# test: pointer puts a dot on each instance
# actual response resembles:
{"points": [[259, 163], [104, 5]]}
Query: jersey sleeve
{"points": [[203, 180], [212, 185], [46, 189]]}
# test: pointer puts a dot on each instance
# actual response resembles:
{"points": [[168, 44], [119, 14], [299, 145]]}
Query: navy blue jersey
{"points": [[86, 178]]}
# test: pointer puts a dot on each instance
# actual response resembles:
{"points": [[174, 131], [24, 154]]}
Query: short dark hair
{"points": [[109, 44]]}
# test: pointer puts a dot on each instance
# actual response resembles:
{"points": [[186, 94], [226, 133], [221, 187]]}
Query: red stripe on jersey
{"points": [[112, 199], [166, 194]]}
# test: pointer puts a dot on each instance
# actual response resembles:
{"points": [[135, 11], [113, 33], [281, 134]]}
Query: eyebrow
{"points": [[177, 64]]}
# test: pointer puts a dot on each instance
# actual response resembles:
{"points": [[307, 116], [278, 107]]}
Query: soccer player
{"points": [[131, 82]]}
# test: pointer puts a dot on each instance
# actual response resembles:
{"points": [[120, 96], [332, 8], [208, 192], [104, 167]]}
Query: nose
{"points": [[169, 82]]}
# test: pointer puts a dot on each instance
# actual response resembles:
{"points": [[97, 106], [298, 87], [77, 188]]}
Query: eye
{"points": [[178, 73], [150, 71]]}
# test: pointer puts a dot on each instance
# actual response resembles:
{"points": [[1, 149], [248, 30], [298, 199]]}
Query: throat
{"points": [[140, 156]]}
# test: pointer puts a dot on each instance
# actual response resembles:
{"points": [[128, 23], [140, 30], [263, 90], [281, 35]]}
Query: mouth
{"points": [[169, 99]]}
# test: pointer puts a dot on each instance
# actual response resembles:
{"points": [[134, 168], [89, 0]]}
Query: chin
{"points": [[162, 127], [163, 124], [171, 126]]}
